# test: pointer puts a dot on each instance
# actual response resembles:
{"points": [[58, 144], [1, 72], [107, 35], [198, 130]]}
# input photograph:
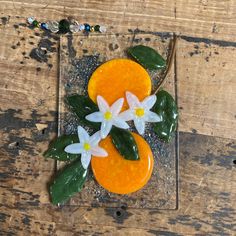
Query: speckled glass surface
{"points": [[80, 55]]}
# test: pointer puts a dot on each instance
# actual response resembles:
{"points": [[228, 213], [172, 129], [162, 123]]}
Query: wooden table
{"points": [[207, 102]]}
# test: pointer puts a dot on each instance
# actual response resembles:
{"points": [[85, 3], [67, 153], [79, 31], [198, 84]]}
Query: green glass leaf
{"points": [[124, 143], [83, 106], [166, 108], [68, 182], [147, 57], [56, 148]]}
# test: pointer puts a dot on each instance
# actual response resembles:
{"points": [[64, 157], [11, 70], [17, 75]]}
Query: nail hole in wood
{"points": [[234, 161], [118, 213]]}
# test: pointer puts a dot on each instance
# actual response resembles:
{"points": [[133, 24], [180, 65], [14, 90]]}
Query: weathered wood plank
{"points": [[207, 173], [29, 76], [28, 98], [208, 194], [207, 88], [209, 19]]}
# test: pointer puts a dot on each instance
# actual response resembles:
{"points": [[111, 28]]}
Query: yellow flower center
{"points": [[107, 115], [139, 112], [87, 146]]}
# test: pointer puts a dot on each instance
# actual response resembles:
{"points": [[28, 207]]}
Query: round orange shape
{"points": [[113, 78], [118, 175]]}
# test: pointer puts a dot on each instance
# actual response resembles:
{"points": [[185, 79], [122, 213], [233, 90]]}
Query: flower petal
{"points": [[82, 134], [95, 138], [149, 102], [139, 125], [116, 106], [152, 117], [105, 128], [95, 117], [127, 115], [99, 152], [102, 104], [132, 100], [120, 123], [75, 148], [85, 159]]}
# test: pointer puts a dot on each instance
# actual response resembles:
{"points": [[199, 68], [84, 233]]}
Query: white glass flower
{"points": [[88, 146], [140, 111], [108, 115]]}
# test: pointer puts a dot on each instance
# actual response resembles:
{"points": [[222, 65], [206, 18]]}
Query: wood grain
{"points": [[207, 200], [207, 88], [28, 85], [210, 19], [28, 98]]}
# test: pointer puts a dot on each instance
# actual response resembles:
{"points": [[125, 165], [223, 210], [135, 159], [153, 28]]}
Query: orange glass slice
{"points": [[113, 78], [118, 175]]}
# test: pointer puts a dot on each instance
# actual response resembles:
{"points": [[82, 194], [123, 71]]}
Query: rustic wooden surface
{"points": [[206, 87]]}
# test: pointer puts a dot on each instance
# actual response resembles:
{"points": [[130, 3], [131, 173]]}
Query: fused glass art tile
{"points": [[80, 55]]}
